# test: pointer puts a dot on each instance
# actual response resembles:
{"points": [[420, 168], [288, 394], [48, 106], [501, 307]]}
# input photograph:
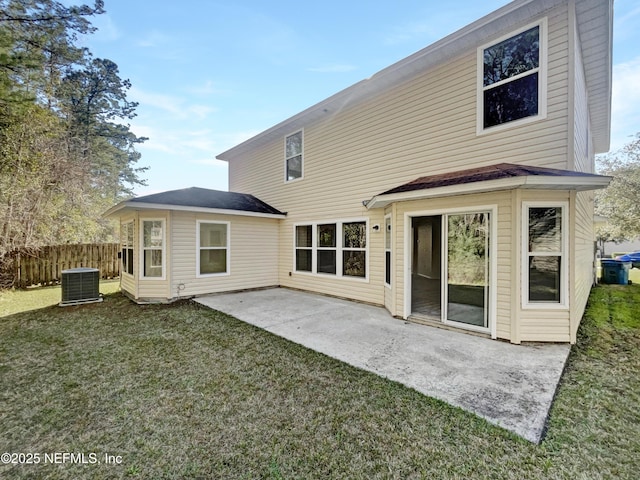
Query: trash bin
{"points": [[615, 272]]}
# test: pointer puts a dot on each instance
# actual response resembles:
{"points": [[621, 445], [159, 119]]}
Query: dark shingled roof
{"points": [[205, 198], [483, 174]]}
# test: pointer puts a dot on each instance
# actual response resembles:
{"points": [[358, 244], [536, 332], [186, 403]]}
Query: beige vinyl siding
{"points": [[583, 229], [583, 160], [544, 326], [584, 258], [253, 242], [128, 283]]}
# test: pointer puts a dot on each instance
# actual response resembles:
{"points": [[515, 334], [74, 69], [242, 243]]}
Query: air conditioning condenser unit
{"points": [[80, 285]]}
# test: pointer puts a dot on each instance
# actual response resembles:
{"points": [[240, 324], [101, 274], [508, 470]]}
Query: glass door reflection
{"points": [[467, 284]]}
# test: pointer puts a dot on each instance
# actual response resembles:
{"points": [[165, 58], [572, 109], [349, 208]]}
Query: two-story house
{"points": [[454, 187]]}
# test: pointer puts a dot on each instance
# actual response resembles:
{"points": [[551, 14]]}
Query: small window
{"points": [[293, 156], [354, 253], [153, 248], [213, 248], [545, 270], [512, 79], [126, 241]]}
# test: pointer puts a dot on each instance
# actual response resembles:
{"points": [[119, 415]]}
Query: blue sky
{"points": [[210, 74]]}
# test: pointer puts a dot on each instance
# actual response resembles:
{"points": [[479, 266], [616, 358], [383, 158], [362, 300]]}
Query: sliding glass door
{"points": [[466, 289]]}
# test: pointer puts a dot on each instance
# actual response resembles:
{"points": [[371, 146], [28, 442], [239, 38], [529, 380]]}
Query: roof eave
{"points": [[547, 182], [595, 26], [111, 213]]}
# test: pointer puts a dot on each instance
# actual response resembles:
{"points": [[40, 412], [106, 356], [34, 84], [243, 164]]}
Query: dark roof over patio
{"points": [[490, 178], [483, 174], [201, 199]]}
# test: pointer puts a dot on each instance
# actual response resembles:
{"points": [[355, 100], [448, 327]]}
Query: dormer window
{"points": [[512, 79], [293, 156]]}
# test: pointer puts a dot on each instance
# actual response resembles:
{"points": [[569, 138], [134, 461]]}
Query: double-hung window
{"points": [[337, 248], [304, 248], [545, 254], [512, 78], [293, 145], [126, 240], [213, 248], [354, 253], [327, 248], [153, 248]]}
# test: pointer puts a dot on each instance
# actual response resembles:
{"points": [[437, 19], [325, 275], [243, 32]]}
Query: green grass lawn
{"points": [[180, 391], [15, 301]]}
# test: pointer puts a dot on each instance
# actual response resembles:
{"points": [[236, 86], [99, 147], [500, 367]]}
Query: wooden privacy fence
{"points": [[45, 265]]}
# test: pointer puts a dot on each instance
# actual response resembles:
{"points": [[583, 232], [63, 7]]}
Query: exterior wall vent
{"points": [[80, 285]]}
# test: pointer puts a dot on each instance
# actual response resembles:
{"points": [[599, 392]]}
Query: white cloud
{"points": [[107, 29], [141, 130], [200, 111], [153, 39], [174, 105], [168, 103], [227, 141], [208, 88], [205, 144], [625, 103]]}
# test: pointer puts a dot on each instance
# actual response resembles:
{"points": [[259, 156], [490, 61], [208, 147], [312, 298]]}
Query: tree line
{"points": [[66, 150], [619, 203]]}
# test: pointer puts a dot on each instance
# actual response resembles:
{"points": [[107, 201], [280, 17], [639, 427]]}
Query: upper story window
{"points": [[512, 78], [293, 156]]}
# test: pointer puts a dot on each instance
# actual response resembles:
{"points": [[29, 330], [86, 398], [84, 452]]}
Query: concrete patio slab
{"points": [[511, 386]]}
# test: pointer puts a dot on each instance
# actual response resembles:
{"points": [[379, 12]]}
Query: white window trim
{"points": [[542, 81], [563, 304], [317, 248], [125, 245], [339, 249], [301, 177], [296, 248], [164, 249], [228, 248], [388, 249]]}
